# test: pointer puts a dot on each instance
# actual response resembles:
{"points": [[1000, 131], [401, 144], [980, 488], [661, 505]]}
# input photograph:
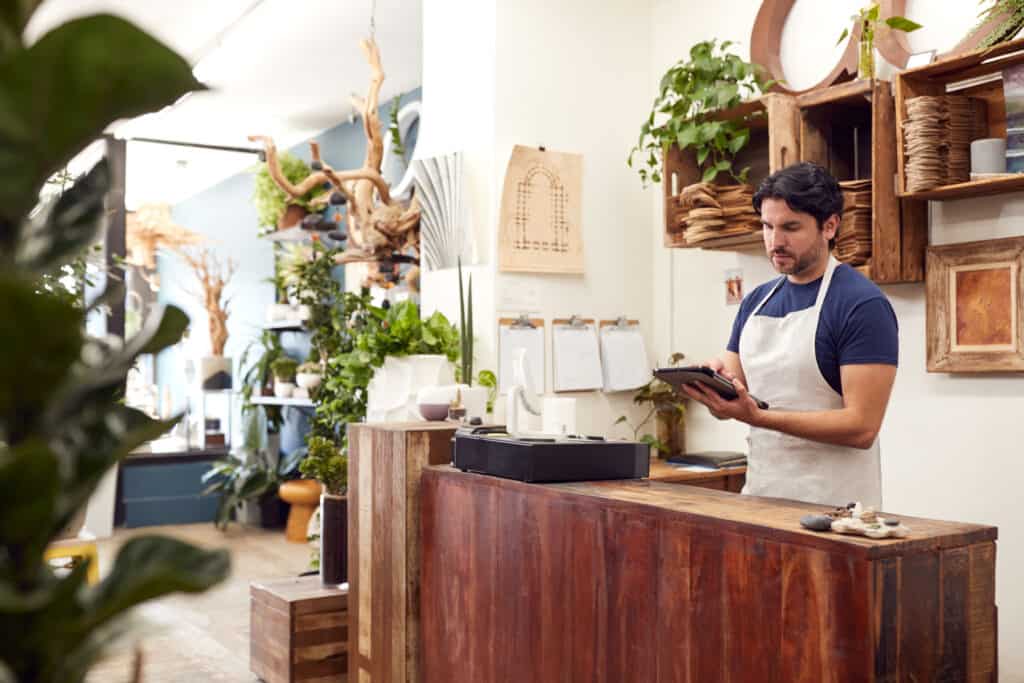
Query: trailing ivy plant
{"points": [[710, 80], [1013, 20], [66, 425]]}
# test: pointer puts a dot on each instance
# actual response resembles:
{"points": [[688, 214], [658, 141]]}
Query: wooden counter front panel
{"points": [[527, 584], [385, 466]]}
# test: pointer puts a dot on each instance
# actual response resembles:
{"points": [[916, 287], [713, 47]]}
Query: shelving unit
{"points": [[276, 401], [850, 130], [286, 326], [976, 75], [774, 143]]}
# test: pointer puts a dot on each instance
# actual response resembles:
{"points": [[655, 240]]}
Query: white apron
{"points": [[778, 359]]}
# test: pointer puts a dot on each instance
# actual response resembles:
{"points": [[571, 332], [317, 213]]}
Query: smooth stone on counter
{"points": [[816, 522]]}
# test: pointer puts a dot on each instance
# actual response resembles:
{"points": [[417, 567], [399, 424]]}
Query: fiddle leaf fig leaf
{"points": [[81, 62]]}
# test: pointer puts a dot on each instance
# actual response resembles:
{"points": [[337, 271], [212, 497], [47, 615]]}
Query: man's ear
{"points": [[830, 226]]}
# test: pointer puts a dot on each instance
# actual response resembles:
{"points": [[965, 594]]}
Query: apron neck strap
{"points": [[826, 279]]}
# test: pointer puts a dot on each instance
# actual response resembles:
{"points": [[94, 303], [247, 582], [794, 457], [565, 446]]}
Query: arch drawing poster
{"points": [[541, 213]]}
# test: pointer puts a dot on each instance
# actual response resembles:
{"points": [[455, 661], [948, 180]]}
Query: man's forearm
{"points": [[841, 427]]}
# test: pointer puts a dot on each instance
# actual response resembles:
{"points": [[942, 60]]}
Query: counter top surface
{"points": [[775, 518]]}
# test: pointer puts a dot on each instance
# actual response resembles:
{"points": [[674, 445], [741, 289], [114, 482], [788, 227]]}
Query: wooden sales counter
{"points": [[653, 582]]}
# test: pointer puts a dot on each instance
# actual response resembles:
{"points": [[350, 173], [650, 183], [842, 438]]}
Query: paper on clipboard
{"points": [[577, 358], [512, 337], [623, 357]]}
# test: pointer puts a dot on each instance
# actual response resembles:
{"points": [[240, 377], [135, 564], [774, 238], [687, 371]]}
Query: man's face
{"points": [[792, 239]]}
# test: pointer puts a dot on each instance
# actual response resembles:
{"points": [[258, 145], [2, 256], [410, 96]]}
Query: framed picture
{"points": [[975, 306], [920, 59]]}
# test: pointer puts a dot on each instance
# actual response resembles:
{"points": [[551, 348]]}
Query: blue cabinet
{"points": [[155, 491]]}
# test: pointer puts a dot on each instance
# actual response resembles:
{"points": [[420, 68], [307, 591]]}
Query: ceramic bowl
{"points": [[434, 412]]}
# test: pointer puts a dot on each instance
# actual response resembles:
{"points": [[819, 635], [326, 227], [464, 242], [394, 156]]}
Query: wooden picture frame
{"points": [[975, 306]]}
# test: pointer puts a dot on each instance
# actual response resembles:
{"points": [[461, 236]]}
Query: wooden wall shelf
{"points": [[976, 75], [774, 143], [850, 129]]}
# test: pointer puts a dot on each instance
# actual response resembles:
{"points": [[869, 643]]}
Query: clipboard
{"points": [[522, 332], [576, 355], [624, 362]]}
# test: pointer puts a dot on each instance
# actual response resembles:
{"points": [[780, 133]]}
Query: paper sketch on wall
{"points": [[443, 234], [541, 210]]}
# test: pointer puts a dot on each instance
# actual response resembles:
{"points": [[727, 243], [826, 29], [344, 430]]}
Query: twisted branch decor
{"points": [[380, 228], [213, 277]]}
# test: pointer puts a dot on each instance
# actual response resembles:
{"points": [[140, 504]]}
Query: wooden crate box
{"points": [[298, 631], [774, 144], [850, 129]]}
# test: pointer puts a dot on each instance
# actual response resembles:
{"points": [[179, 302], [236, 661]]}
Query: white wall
{"points": [[951, 445], [571, 76]]}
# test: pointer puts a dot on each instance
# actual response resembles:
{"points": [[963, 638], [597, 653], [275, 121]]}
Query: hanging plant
{"points": [[1012, 12], [271, 201], [711, 80]]}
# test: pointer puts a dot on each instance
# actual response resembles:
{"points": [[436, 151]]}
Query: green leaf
{"points": [[81, 62], [14, 16], [702, 154], [872, 13], [67, 225], [843, 35], [688, 136], [149, 567], [709, 174], [622, 418], [739, 142], [902, 24]]}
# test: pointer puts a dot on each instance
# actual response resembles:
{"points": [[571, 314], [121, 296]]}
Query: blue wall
{"points": [[225, 214]]}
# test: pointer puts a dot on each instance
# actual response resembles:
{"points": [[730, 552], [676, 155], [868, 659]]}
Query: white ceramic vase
{"points": [[283, 389], [308, 380], [391, 394]]}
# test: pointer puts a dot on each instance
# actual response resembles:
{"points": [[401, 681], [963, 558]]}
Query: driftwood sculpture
{"points": [[380, 228], [213, 277]]}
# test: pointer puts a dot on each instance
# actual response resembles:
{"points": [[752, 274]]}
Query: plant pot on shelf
{"points": [[215, 372], [283, 389], [308, 380], [333, 539], [474, 399]]}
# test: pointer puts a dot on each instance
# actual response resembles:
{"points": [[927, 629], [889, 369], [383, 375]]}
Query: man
{"points": [[819, 345]]}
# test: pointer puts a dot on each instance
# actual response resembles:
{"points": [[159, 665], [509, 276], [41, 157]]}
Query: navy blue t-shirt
{"points": [[857, 324]]}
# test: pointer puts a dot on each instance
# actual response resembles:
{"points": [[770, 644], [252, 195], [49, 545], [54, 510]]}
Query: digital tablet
{"points": [[692, 374]]}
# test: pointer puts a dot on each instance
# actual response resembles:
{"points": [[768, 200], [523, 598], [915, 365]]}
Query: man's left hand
{"points": [[742, 408]]}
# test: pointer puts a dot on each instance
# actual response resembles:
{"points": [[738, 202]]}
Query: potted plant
{"points": [[326, 463], [711, 80], [1003, 18], [66, 426], [867, 19], [668, 410], [275, 209], [474, 399], [284, 376], [248, 479], [308, 375], [215, 371]]}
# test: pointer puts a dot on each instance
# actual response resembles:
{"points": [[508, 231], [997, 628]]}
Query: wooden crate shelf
{"points": [[976, 75], [774, 143], [850, 130]]}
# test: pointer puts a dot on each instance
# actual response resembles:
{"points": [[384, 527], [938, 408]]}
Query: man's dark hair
{"points": [[807, 188]]}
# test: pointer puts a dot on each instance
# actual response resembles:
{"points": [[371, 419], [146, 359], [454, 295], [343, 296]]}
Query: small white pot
{"points": [[283, 389], [308, 380]]}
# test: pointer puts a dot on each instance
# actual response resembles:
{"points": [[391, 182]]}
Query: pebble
{"points": [[816, 522]]}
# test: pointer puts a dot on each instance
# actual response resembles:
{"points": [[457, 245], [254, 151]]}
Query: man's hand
{"points": [[742, 408]]}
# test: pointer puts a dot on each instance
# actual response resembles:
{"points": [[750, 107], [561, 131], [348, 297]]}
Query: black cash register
{"points": [[491, 450]]}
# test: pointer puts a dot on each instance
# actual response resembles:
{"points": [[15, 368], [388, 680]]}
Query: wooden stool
{"points": [[298, 630], [81, 548], [304, 496]]}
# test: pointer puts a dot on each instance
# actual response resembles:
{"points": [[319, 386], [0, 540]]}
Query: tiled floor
{"points": [[197, 638]]}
